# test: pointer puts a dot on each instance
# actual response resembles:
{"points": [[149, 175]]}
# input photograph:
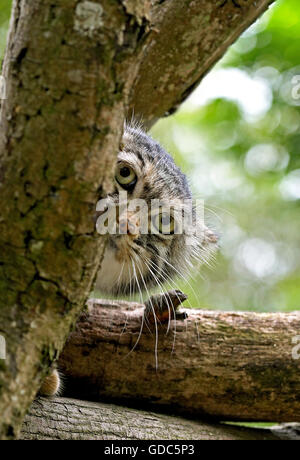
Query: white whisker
{"points": [[142, 301], [154, 315], [181, 275], [162, 289], [172, 306]]}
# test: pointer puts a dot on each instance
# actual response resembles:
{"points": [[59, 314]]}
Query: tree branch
{"points": [[230, 366], [188, 39], [67, 419]]}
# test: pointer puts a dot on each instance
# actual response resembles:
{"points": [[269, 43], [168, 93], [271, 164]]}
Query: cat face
{"points": [[152, 252]]}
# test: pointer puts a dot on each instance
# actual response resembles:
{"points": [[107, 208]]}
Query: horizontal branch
{"points": [[69, 419], [227, 365]]}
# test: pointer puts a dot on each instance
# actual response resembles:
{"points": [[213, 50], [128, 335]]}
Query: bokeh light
{"points": [[237, 138]]}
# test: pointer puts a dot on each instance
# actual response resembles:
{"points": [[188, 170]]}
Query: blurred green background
{"points": [[238, 140]]}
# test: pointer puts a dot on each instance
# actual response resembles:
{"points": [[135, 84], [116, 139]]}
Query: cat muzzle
{"points": [[129, 224]]}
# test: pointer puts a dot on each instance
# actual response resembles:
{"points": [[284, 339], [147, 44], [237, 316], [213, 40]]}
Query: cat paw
{"points": [[165, 307], [51, 385]]}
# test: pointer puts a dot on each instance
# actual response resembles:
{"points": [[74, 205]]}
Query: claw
{"points": [[164, 311]]}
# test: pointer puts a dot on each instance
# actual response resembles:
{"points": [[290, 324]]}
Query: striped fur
{"points": [[132, 265]]}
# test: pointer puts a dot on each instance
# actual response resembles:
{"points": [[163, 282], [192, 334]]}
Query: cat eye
{"points": [[164, 223], [125, 176]]}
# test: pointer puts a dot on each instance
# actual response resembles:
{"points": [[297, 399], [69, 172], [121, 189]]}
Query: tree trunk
{"points": [[230, 366], [69, 419], [71, 71]]}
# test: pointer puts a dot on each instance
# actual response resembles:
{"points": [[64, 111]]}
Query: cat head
{"points": [[156, 231]]}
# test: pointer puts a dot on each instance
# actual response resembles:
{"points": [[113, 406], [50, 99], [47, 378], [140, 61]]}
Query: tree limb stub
{"points": [[230, 366]]}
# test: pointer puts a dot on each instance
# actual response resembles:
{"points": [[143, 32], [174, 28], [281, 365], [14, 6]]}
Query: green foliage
{"points": [[247, 167], [5, 9]]}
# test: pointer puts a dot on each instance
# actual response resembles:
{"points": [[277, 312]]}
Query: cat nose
{"points": [[129, 224]]}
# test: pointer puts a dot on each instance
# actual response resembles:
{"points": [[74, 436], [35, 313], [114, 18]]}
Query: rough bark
{"points": [[69, 419], [230, 366], [189, 38], [67, 85], [70, 69]]}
